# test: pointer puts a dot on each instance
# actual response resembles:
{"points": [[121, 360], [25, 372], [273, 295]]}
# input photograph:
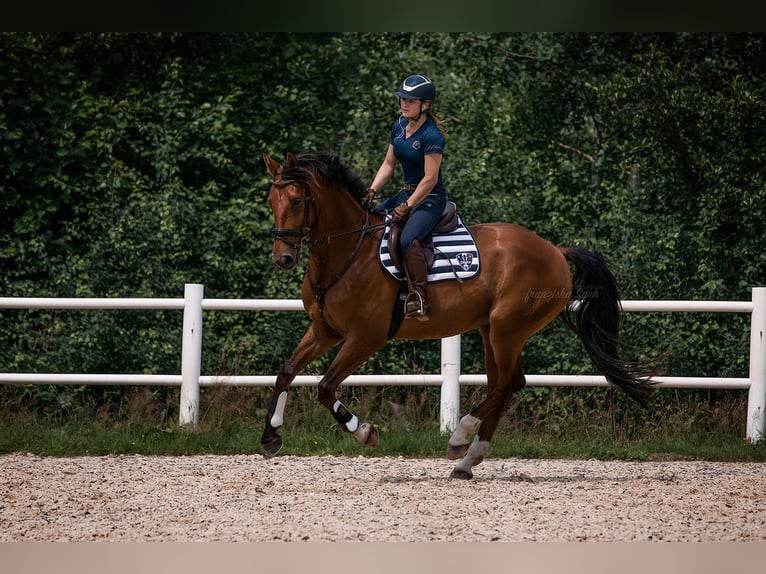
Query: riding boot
{"points": [[416, 268]]}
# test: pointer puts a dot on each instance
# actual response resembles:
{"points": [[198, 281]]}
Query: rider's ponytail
{"points": [[439, 124]]}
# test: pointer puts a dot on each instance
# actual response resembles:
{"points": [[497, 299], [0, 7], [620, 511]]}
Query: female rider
{"points": [[417, 141]]}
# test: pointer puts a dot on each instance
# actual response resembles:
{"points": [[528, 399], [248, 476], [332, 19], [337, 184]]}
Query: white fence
{"points": [[450, 378]]}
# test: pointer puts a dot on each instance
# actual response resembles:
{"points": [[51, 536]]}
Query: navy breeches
{"points": [[422, 219]]}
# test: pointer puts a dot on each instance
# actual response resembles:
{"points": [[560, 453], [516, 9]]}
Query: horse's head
{"points": [[289, 199], [307, 184]]}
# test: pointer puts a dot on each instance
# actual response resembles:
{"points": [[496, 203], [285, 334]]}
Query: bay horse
{"points": [[525, 282]]}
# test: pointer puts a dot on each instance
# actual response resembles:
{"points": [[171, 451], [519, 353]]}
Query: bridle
{"points": [[285, 235]]}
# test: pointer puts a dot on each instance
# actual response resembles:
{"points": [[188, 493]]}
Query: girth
{"points": [[448, 222]]}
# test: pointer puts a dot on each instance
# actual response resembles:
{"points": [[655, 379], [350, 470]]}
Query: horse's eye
{"points": [[296, 203]]}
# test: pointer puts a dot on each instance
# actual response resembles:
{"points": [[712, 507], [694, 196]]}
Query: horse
{"points": [[525, 282]]}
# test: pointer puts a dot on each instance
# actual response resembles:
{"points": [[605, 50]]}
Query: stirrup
{"points": [[415, 306]]}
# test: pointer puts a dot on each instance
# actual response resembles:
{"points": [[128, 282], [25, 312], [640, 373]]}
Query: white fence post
{"points": [[450, 391], [756, 397], [191, 354]]}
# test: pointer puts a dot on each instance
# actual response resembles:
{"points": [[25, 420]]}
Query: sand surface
{"points": [[248, 498]]}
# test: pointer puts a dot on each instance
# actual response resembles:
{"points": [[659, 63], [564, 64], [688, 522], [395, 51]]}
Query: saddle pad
{"points": [[455, 255]]}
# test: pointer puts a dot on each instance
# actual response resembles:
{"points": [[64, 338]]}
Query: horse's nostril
{"points": [[286, 261]]}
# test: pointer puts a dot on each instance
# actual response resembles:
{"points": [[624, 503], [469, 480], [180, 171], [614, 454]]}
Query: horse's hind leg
{"points": [[487, 416], [469, 424]]}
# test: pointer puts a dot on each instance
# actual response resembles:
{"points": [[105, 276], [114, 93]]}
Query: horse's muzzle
{"points": [[285, 252], [285, 260]]}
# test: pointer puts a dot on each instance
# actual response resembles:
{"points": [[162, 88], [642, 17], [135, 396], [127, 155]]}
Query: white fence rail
{"points": [[450, 378]]}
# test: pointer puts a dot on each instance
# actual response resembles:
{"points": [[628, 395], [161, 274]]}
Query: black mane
{"points": [[329, 168]]}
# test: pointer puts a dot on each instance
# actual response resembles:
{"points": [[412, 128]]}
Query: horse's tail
{"points": [[593, 312]]}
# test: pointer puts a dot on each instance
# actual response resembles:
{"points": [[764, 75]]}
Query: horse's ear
{"points": [[291, 160], [272, 166]]}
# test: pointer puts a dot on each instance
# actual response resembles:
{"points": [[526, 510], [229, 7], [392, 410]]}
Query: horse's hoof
{"points": [[456, 452], [368, 435], [271, 446], [461, 474]]}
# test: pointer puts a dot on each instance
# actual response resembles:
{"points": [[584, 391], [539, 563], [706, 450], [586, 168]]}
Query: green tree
{"points": [[130, 164]]}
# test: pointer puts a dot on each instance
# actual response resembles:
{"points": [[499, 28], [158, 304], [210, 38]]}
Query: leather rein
{"points": [[303, 232]]}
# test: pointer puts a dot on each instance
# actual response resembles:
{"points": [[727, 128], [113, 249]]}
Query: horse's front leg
{"points": [[352, 354], [315, 342]]}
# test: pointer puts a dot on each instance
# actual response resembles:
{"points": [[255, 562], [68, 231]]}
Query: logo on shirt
{"points": [[416, 144]]}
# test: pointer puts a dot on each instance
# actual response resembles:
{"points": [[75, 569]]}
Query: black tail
{"points": [[596, 320]]}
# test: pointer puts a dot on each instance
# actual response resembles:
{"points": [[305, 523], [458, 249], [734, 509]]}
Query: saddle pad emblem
{"points": [[465, 260], [455, 255]]}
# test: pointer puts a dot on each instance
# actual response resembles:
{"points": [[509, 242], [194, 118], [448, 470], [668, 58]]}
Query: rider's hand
{"points": [[369, 198], [401, 211]]}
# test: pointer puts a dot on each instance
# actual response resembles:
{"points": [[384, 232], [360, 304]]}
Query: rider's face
{"points": [[411, 108]]}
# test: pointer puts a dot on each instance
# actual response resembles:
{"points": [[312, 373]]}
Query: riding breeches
{"points": [[423, 218]]}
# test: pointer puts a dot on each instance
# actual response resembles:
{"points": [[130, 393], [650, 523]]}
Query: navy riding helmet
{"points": [[417, 87]]}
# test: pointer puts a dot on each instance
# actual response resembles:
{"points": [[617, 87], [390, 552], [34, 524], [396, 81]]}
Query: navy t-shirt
{"points": [[410, 151]]}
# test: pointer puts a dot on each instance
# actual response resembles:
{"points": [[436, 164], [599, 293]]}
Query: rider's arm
{"points": [[385, 171]]}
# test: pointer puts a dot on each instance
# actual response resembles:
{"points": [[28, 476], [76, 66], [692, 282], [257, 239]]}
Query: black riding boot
{"points": [[416, 268]]}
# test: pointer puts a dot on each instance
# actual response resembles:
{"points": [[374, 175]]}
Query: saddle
{"points": [[447, 222]]}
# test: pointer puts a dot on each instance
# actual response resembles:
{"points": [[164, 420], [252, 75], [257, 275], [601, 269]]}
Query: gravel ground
{"points": [[371, 499]]}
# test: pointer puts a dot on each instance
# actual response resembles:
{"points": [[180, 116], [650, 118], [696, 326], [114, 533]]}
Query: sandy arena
{"points": [[248, 498]]}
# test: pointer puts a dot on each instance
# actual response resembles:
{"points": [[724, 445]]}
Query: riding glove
{"points": [[401, 211], [369, 198]]}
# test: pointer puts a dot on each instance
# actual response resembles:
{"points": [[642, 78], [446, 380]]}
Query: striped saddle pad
{"points": [[455, 255]]}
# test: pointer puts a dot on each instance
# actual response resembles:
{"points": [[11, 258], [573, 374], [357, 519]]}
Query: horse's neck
{"points": [[338, 233], [337, 213]]}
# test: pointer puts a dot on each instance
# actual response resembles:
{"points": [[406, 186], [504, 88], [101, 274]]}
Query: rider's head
{"points": [[417, 87]]}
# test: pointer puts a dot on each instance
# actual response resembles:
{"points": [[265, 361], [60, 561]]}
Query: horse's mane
{"points": [[329, 168]]}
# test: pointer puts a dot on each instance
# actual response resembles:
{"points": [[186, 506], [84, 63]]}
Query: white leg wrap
{"points": [[345, 417], [353, 424], [474, 456], [468, 425], [279, 412]]}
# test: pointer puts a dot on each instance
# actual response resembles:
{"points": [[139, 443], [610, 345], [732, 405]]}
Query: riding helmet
{"points": [[417, 87]]}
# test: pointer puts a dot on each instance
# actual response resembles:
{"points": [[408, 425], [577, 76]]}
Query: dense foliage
{"points": [[130, 164]]}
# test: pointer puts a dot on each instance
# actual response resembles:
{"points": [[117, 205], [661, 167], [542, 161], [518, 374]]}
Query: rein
{"points": [[365, 228], [283, 234]]}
